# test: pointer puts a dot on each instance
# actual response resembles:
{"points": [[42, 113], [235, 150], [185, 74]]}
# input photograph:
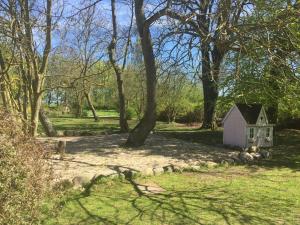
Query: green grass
{"points": [[87, 125], [236, 195], [104, 113], [265, 193]]}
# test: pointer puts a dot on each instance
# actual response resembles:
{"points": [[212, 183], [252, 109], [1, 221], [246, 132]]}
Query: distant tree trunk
{"points": [[79, 107], [35, 110], [4, 95], [89, 100], [46, 123], [112, 57], [139, 134], [24, 107], [3, 89], [49, 96]]}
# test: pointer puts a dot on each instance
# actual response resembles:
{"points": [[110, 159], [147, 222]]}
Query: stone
{"points": [[229, 161], [224, 163], [211, 164], [208, 164], [59, 133], [150, 188], [246, 157], [61, 148], [235, 156], [130, 174], [265, 154], [168, 169], [178, 168], [236, 159], [245, 149], [80, 181], [255, 155], [194, 168], [63, 184], [158, 170], [253, 149], [148, 171]]}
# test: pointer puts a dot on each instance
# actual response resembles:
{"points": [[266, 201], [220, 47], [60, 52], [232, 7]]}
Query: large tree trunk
{"points": [[139, 134], [210, 79], [210, 91], [89, 100], [112, 57], [46, 123]]}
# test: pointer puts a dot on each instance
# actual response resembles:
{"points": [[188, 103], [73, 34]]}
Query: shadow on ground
{"points": [[285, 153], [222, 203]]}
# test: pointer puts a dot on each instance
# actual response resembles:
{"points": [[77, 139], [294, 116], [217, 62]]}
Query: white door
{"points": [[261, 136]]}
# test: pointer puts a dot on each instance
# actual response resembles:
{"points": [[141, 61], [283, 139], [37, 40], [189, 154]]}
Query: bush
{"points": [[24, 175], [191, 117], [289, 123], [130, 113], [85, 113], [167, 115]]}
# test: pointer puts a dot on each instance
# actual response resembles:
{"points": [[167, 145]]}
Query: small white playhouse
{"points": [[247, 125]]}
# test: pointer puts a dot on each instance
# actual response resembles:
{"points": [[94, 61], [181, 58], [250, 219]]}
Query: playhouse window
{"points": [[268, 132], [251, 135]]}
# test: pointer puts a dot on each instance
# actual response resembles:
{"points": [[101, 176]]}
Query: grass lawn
{"points": [[107, 123], [103, 113], [236, 195], [265, 193], [85, 124]]}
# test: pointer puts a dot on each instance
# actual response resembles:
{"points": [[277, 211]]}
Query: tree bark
{"points": [[210, 91], [79, 108], [3, 89], [38, 72], [35, 110], [46, 123], [210, 79], [139, 134], [112, 57], [89, 100]]}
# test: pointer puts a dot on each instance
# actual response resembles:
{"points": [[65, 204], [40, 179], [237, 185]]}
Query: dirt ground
{"points": [[92, 156]]}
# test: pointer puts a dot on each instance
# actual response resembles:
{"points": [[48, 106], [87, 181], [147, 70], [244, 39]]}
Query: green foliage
{"points": [[266, 70], [130, 113], [177, 98], [24, 176], [192, 116]]}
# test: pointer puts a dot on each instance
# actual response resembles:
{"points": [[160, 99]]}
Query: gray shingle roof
{"points": [[250, 112]]}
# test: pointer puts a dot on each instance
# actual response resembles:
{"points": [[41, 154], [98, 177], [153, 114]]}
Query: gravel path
{"points": [[101, 155]]}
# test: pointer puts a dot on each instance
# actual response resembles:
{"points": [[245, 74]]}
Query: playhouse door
{"points": [[261, 136]]}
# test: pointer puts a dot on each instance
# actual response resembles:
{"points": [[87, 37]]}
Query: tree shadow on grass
{"points": [[220, 203], [208, 205]]}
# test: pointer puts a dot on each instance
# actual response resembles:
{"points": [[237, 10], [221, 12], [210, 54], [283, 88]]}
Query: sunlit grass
{"points": [[236, 195]]}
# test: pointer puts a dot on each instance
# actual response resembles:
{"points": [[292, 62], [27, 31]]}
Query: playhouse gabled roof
{"points": [[250, 112]]}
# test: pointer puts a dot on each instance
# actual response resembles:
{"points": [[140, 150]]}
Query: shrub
{"points": [[190, 117], [167, 115], [85, 113], [130, 113], [24, 175]]}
